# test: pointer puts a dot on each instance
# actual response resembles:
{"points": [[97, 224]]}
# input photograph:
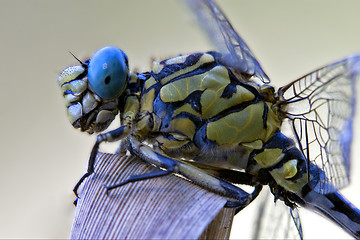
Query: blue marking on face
{"points": [[108, 72]]}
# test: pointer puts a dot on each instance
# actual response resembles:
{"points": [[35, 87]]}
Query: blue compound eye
{"points": [[108, 72]]}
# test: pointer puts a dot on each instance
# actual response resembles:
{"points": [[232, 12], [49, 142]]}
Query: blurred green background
{"points": [[43, 156]]}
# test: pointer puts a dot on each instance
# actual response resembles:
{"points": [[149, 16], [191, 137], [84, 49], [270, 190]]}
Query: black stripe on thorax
{"points": [[264, 116], [233, 109], [193, 99], [169, 69], [134, 88], [234, 81], [198, 71]]}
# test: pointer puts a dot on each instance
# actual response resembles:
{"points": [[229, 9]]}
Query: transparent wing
{"points": [[237, 54], [275, 221], [321, 111]]}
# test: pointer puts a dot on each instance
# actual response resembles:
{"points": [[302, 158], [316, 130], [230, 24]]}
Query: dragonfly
{"points": [[214, 118]]}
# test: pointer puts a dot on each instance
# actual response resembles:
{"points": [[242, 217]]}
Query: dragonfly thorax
{"points": [[199, 110]]}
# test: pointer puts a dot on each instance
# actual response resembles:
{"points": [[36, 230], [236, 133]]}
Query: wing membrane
{"points": [[275, 221], [237, 54], [321, 111]]}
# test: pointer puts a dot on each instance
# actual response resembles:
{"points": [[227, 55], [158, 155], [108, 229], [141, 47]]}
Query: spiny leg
{"points": [[240, 178], [171, 165], [235, 177], [168, 166], [111, 136], [90, 169], [141, 177]]}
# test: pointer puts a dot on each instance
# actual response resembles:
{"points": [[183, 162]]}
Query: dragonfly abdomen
{"points": [[335, 207]]}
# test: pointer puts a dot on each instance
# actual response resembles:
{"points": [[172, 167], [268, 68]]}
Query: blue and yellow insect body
{"points": [[214, 118]]}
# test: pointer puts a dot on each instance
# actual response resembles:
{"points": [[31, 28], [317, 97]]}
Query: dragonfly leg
{"points": [[122, 147], [171, 165], [141, 177], [148, 155], [246, 201], [105, 137]]}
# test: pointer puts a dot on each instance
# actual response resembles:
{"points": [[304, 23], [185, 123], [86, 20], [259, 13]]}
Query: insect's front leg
{"points": [[130, 110], [111, 136], [167, 165]]}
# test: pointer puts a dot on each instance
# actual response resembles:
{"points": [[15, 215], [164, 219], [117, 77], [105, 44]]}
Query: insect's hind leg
{"points": [[169, 165], [244, 179], [235, 177], [241, 204]]}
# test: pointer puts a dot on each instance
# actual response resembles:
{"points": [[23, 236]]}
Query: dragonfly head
{"points": [[91, 91]]}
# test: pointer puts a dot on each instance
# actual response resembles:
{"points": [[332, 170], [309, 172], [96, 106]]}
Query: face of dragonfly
{"points": [[91, 91]]}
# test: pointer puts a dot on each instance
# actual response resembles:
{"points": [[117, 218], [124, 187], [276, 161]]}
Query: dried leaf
{"points": [[168, 207]]}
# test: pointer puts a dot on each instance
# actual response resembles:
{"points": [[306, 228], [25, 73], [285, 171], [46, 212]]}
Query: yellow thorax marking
{"points": [[269, 157], [183, 125], [150, 82], [282, 175], [147, 101], [212, 83], [258, 144], [205, 58], [185, 108], [243, 126]]}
